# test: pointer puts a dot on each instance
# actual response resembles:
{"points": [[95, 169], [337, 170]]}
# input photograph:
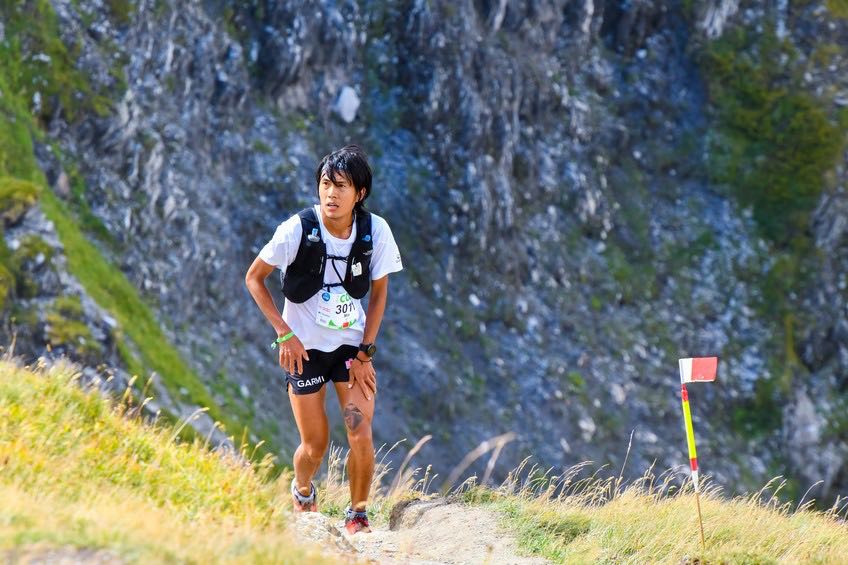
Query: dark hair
{"points": [[351, 162]]}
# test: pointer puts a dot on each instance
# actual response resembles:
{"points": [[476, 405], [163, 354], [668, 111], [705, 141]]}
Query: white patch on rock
{"points": [[617, 392], [63, 185], [497, 20], [169, 206], [347, 104], [647, 436], [782, 9], [588, 12], [587, 426], [716, 16]]}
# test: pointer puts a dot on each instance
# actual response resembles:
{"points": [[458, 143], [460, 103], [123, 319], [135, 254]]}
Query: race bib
{"points": [[336, 311]]}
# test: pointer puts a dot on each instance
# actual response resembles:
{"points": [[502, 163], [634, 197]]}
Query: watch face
{"points": [[372, 349]]}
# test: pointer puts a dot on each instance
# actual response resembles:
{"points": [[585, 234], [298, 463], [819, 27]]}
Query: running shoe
{"points": [[356, 521], [302, 503]]}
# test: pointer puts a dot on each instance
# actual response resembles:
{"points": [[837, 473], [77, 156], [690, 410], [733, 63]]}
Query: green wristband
{"points": [[281, 339]]}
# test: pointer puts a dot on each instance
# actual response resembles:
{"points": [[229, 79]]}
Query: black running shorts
{"points": [[321, 367]]}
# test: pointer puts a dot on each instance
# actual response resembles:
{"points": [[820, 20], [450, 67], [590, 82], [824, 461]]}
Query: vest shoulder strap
{"points": [[304, 276], [357, 279], [363, 228], [310, 225]]}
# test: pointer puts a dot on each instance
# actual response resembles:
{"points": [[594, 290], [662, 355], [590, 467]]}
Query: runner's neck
{"points": [[339, 228]]}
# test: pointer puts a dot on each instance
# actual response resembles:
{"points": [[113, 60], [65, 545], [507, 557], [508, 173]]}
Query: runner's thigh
{"points": [[310, 416]]}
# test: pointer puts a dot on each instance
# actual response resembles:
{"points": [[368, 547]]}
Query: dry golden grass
{"points": [[74, 470], [575, 519], [334, 491], [138, 530]]}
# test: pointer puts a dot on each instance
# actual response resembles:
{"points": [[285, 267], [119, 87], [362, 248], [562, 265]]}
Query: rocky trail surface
{"points": [[421, 532]]}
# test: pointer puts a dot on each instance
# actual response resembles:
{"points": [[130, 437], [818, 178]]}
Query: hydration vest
{"points": [[305, 276]]}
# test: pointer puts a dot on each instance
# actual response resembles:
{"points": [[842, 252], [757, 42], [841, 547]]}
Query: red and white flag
{"points": [[698, 369]]}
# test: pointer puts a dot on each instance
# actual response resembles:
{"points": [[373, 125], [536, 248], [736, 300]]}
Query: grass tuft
{"points": [[570, 519], [79, 469]]}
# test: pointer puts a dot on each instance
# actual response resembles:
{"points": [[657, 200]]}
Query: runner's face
{"points": [[337, 199]]}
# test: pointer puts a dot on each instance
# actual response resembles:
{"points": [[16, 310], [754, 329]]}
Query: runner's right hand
{"points": [[292, 355]]}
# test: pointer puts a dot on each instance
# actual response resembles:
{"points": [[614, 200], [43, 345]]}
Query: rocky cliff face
{"points": [[551, 172]]}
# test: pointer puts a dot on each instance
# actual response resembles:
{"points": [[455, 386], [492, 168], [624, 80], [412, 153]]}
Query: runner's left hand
{"points": [[363, 375]]}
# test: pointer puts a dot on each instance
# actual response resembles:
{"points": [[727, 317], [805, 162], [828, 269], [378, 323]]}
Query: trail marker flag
{"points": [[698, 369], [692, 370]]}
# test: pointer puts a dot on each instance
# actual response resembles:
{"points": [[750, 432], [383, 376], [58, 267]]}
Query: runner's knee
{"points": [[355, 421], [360, 438], [314, 451]]}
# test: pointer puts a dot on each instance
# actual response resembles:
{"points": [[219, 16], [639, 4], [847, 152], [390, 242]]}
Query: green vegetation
{"points": [[7, 282], [38, 67], [72, 463], [543, 532], [838, 8], [66, 325], [30, 29], [121, 10], [31, 247], [592, 520], [576, 381], [16, 197], [90, 224], [635, 278], [109, 287], [774, 141], [260, 146], [761, 415], [773, 144]]}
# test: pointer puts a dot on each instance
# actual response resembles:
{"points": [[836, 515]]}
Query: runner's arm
{"points": [[376, 307], [255, 281]]}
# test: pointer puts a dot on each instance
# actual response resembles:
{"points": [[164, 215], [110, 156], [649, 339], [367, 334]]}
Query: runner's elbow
{"points": [[257, 273], [253, 281], [380, 288]]}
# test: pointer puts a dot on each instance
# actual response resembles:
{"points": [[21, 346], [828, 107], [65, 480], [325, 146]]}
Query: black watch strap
{"points": [[368, 349]]}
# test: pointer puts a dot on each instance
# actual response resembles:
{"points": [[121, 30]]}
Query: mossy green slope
{"points": [[774, 141], [30, 29]]}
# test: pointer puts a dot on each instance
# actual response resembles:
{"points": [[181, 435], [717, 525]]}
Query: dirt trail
{"points": [[421, 533]]}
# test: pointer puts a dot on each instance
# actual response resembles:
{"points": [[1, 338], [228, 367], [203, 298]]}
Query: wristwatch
{"points": [[368, 348]]}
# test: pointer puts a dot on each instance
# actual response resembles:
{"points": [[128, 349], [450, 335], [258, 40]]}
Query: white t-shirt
{"points": [[281, 251]]}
